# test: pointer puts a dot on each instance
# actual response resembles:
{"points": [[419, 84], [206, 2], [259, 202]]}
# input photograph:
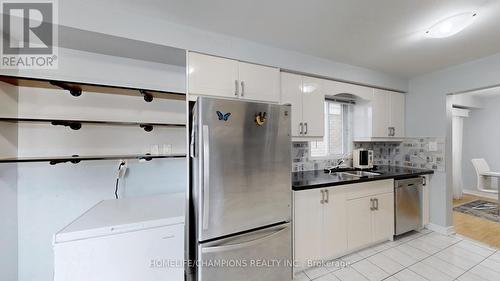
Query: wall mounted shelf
{"points": [[77, 124], [76, 88], [77, 158]]}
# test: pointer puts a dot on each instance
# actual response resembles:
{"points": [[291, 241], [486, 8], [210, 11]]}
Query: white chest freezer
{"points": [[124, 240]]}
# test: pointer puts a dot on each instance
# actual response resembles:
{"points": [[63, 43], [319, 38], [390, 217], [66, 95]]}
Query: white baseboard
{"points": [[446, 230], [481, 194]]}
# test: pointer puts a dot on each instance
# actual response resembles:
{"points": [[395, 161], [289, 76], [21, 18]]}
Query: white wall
{"points": [[88, 67], [481, 138], [426, 115], [50, 197], [125, 23], [8, 188]]}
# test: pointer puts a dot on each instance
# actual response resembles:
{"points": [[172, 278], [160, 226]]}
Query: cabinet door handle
{"points": [[301, 128], [376, 204], [327, 196], [322, 197], [307, 130], [392, 131], [236, 87], [372, 204], [242, 88]]}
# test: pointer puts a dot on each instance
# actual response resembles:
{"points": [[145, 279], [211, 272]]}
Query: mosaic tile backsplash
{"points": [[421, 153]]}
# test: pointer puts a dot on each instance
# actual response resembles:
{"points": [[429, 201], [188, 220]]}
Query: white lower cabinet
{"points": [[318, 214], [334, 240], [359, 222], [383, 217], [308, 225], [371, 220], [333, 221]]}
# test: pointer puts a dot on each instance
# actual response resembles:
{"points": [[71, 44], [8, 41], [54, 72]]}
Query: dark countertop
{"points": [[317, 179]]}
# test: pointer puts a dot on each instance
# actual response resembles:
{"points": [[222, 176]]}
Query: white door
{"points": [[291, 93], [397, 103], [313, 107], [380, 114], [259, 82], [308, 224], [334, 223], [213, 76], [383, 217], [359, 222]]}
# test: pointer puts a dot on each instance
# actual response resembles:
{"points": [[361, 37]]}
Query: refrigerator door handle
{"points": [[206, 177], [192, 154], [231, 247]]}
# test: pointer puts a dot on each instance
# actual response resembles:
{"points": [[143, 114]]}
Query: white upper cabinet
{"points": [[259, 82], [291, 93], [313, 107], [214, 76], [306, 95], [381, 117], [397, 110]]}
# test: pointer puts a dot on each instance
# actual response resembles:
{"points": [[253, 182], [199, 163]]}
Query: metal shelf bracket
{"points": [[147, 96], [73, 125], [73, 90], [147, 128], [75, 161]]}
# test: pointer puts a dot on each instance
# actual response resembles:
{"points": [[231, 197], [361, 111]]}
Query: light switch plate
{"points": [[433, 146], [167, 149]]}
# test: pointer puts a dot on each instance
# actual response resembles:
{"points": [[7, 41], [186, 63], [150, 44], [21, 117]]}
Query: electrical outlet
{"points": [[167, 149], [433, 146], [122, 168]]}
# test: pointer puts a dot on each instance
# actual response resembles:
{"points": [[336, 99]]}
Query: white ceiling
{"points": [[384, 35]]}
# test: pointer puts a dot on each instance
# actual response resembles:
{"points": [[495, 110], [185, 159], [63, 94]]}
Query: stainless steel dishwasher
{"points": [[408, 195]]}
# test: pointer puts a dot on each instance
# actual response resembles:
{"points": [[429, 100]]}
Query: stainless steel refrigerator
{"points": [[240, 191]]}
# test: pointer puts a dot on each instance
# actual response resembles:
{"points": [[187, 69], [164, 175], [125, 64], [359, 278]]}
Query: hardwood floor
{"points": [[476, 228]]}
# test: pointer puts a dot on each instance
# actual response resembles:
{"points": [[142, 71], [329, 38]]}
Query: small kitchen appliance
{"points": [[362, 158]]}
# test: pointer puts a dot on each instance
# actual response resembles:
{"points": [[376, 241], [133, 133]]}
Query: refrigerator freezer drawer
{"points": [[263, 255]]}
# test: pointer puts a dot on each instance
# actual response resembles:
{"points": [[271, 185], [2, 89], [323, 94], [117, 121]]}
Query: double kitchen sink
{"points": [[360, 173], [353, 173]]}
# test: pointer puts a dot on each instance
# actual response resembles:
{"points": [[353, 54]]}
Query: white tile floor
{"points": [[425, 256]]}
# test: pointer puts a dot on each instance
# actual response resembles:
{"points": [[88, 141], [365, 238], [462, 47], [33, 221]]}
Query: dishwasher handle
{"points": [[417, 182]]}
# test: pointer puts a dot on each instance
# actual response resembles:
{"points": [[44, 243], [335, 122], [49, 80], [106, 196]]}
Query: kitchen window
{"points": [[337, 139]]}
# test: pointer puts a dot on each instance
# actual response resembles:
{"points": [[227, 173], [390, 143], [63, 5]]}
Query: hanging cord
{"points": [[116, 188], [122, 168]]}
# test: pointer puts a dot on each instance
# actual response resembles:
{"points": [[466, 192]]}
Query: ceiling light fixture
{"points": [[308, 89], [451, 25]]}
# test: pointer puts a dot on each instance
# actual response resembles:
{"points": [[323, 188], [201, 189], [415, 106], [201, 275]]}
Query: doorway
{"points": [[475, 158]]}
